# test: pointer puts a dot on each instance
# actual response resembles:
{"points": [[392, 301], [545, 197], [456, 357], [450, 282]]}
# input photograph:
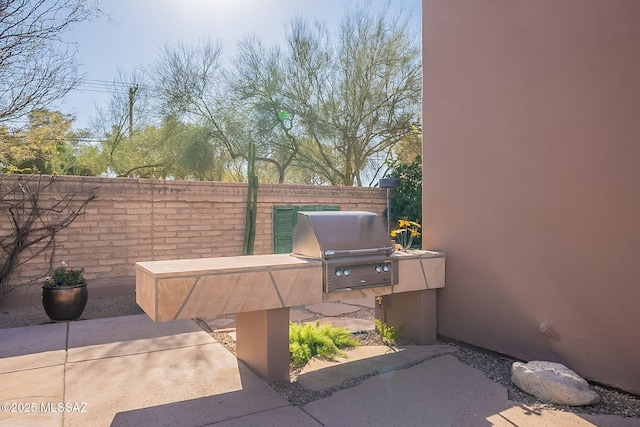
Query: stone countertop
{"points": [[187, 267], [418, 253], [176, 289]]}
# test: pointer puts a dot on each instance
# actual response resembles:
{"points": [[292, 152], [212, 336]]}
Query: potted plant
{"points": [[64, 293]]}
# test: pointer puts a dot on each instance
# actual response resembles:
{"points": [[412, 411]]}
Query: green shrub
{"points": [[406, 201], [306, 341], [389, 333]]}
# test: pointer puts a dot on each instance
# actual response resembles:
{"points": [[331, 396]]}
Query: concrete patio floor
{"points": [[130, 371]]}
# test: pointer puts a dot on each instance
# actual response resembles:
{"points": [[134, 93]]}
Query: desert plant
{"points": [[389, 333], [307, 340]]}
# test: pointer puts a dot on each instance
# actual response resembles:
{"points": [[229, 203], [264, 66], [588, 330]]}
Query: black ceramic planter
{"points": [[65, 302]]}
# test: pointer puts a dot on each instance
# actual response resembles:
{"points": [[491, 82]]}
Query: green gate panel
{"points": [[284, 219]]}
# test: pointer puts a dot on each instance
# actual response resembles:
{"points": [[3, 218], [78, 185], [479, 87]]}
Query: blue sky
{"points": [[136, 30]]}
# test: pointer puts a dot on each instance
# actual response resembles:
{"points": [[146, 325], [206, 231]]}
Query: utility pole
{"points": [[132, 92]]}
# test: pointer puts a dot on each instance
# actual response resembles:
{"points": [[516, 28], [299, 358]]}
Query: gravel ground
{"points": [[96, 308], [495, 366]]}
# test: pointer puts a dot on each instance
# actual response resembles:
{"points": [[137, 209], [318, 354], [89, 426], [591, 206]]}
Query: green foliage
{"points": [[324, 107], [406, 201], [172, 150], [389, 333], [410, 146], [306, 341], [321, 107], [46, 145], [65, 276]]}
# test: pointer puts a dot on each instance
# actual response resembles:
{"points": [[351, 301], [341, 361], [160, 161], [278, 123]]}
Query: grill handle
{"points": [[330, 253]]}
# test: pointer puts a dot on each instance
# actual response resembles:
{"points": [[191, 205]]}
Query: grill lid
{"points": [[333, 234]]}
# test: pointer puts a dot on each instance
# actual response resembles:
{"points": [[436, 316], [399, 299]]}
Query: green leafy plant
{"points": [[307, 340], [65, 276], [406, 201], [389, 333]]}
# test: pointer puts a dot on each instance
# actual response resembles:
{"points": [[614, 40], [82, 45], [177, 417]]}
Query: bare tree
{"points": [[359, 96], [241, 104], [325, 109], [122, 123], [30, 223], [257, 83], [36, 66], [190, 85], [187, 83], [348, 100]]}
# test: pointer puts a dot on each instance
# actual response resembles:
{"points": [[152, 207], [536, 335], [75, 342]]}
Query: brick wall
{"points": [[141, 220]]}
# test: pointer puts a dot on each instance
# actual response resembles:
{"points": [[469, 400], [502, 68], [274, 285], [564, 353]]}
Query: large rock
{"points": [[553, 382]]}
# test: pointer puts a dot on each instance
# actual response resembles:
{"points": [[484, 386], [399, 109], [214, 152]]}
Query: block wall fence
{"points": [[135, 220]]}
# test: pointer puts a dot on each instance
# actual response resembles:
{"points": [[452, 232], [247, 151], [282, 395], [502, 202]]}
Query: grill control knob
{"points": [[347, 272], [379, 268], [338, 273], [385, 268]]}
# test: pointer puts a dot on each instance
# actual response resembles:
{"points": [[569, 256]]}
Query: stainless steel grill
{"points": [[354, 248]]}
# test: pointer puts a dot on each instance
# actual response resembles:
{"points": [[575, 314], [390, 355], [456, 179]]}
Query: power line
{"points": [[103, 86], [105, 82]]}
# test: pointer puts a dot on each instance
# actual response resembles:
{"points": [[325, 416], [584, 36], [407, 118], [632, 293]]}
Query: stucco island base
{"points": [[259, 289]]}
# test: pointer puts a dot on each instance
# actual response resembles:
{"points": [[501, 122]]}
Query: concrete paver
{"points": [[131, 371], [178, 376], [298, 316], [33, 339], [32, 373], [126, 348], [595, 420], [321, 373], [352, 324], [439, 392], [224, 321], [524, 415], [189, 386], [26, 391], [363, 302], [280, 417], [32, 361], [332, 308], [434, 393], [125, 328]]}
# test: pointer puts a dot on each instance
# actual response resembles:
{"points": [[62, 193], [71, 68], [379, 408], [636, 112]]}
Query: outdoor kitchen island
{"points": [[260, 289]]}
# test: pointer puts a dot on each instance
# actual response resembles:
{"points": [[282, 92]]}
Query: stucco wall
{"points": [[144, 220], [532, 178]]}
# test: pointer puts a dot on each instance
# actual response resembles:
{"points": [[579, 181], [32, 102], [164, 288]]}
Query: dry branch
{"points": [[34, 220]]}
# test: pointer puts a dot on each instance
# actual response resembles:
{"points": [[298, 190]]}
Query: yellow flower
{"points": [[406, 232]]}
